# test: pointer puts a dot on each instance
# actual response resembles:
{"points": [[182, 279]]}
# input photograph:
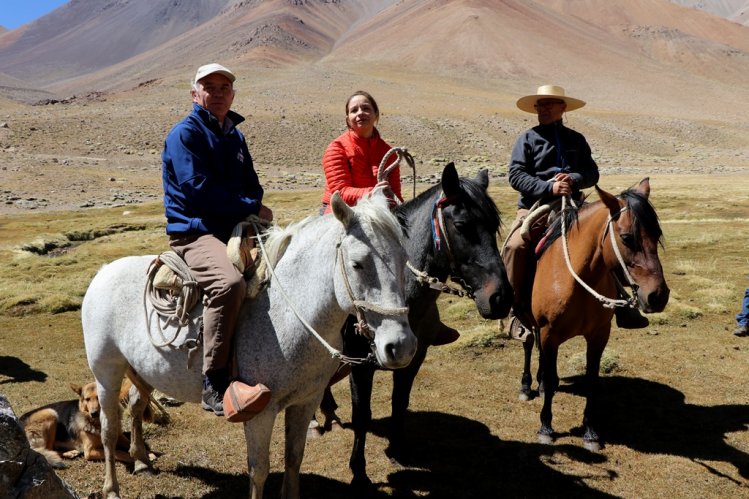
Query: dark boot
{"points": [[212, 400], [214, 386], [630, 318], [742, 330]]}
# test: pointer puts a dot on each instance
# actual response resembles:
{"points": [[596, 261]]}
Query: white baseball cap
{"points": [[211, 68]]}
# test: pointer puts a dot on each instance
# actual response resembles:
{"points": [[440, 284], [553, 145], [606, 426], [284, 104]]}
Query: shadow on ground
{"points": [[458, 457], [651, 417], [18, 371]]}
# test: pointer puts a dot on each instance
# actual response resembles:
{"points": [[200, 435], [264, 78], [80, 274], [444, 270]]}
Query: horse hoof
{"points": [[524, 396], [545, 436], [545, 439], [592, 445], [314, 432], [361, 484], [334, 425], [141, 468]]}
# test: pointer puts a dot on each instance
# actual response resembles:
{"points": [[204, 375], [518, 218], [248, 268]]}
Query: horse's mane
{"points": [[374, 209], [473, 195], [278, 239], [478, 201], [370, 210], [643, 216]]}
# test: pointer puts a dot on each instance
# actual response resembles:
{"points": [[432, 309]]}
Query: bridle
{"points": [[438, 228], [359, 306], [439, 234], [604, 300]]}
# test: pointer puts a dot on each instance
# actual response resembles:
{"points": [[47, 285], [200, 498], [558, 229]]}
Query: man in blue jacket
{"points": [[548, 161], [210, 185]]}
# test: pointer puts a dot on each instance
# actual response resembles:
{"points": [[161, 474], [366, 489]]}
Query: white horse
{"points": [[361, 245]]}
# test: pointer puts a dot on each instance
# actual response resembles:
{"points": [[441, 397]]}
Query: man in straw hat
{"points": [[210, 185], [548, 161]]}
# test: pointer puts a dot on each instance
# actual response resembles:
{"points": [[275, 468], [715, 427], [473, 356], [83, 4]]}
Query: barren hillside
{"points": [[733, 10], [665, 86]]}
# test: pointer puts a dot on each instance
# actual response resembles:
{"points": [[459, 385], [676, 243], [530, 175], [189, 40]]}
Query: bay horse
{"points": [[575, 276], [352, 259], [452, 232]]}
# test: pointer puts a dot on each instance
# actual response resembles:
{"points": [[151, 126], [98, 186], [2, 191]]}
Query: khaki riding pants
{"points": [[519, 259], [225, 289]]}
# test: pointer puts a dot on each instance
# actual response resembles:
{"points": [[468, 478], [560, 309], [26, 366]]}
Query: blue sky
{"points": [[15, 13]]}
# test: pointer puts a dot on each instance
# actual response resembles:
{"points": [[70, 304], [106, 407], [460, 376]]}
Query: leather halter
{"points": [[439, 234]]}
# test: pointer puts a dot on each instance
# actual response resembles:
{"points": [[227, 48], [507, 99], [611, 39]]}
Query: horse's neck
{"points": [[307, 270], [585, 239]]}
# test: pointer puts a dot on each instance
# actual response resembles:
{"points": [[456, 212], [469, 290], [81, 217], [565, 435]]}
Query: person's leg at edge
{"points": [[742, 318]]}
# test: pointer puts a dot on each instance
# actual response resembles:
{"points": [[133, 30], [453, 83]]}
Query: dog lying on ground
{"points": [[73, 427]]}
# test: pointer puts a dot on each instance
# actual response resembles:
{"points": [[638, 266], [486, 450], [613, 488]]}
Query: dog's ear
{"points": [[76, 388]]}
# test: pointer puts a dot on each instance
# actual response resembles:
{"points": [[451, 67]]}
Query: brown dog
{"points": [[72, 427]]}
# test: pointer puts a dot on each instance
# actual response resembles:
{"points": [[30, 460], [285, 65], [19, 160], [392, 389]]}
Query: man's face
{"points": [[214, 93], [550, 110]]}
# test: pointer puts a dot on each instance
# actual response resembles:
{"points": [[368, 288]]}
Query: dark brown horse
{"points": [[575, 288]]}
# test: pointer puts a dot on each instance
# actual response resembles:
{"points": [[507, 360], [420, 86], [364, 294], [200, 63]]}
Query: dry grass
{"points": [[675, 394]]}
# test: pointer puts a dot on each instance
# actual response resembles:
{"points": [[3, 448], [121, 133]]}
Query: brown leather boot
{"points": [[242, 402], [445, 334], [630, 318]]}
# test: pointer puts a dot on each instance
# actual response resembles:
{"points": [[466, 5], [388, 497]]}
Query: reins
{"points": [[362, 326], [604, 300]]}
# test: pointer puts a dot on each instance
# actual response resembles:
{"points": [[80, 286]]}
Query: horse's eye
{"points": [[628, 239], [357, 265]]}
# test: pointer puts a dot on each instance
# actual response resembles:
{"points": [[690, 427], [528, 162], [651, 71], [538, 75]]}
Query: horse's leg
{"points": [[361, 417], [327, 407], [527, 380], [296, 420], [594, 352], [548, 365], [540, 371], [403, 381], [257, 434], [138, 401], [108, 391]]}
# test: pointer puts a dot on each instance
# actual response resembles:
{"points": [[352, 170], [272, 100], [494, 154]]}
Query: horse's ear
{"points": [[450, 180], [644, 187], [341, 210], [611, 202], [482, 178]]}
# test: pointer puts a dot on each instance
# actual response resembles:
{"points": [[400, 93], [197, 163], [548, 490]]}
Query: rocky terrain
{"points": [[665, 87]]}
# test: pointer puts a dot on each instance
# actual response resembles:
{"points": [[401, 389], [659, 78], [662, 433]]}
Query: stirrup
{"points": [[517, 331]]}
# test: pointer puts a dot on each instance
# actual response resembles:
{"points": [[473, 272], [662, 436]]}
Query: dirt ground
{"points": [[677, 402]]}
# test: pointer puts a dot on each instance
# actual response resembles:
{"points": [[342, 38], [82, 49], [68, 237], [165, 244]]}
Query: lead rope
{"points": [[605, 301], [383, 172]]}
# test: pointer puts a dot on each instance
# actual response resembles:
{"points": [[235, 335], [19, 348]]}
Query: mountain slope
{"points": [[611, 50]]}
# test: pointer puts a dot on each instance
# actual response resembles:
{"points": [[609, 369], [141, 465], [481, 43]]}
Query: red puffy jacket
{"points": [[350, 164]]}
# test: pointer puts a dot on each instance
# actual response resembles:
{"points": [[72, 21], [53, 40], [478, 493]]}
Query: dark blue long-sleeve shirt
{"points": [[542, 152]]}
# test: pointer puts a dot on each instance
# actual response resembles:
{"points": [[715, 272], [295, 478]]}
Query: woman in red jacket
{"points": [[351, 161]]}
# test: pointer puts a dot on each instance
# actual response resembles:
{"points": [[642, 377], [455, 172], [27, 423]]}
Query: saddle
{"points": [[172, 273]]}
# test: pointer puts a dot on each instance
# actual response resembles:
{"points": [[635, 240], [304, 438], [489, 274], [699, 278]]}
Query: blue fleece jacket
{"points": [[209, 180]]}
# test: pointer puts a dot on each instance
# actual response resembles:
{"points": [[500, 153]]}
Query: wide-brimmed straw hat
{"points": [[548, 92]]}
